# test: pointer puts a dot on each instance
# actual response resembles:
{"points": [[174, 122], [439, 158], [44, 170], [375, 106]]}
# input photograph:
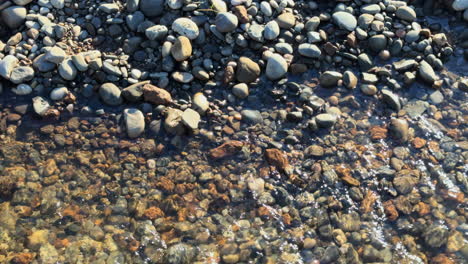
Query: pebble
{"points": [[406, 13], [271, 30], [67, 70], [156, 95], [400, 129], [110, 94], [22, 89], [286, 20], [156, 32], [247, 70], [200, 103], [7, 65], [349, 79], [426, 72], [330, 78], [191, 118], [173, 122], [309, 50], [59, 93], [185, 27], [325, 120], [152, 8], [256, 32], [276, 67], [368, 89], [182, 77], [252, 116], [14, 16], [55, 55], [58, 4], [345, 20], [378, 42], [391, 99], [241, 90], [40, 105], [226, 22], [460, 5], [134, 121], [182, 49], [21, 74]]}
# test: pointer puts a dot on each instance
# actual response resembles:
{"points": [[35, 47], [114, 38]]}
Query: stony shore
{"points": [[172, 131]]}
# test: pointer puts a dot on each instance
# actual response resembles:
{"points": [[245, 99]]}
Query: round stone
{"points": [[152, 8], [67, 70], [21, 74], [134, 121], [240, 90], [156, 32], [271, 30], [276, 67], [182, 49], [14, 16], [58, 94], [345, 20], [191, 118], [309, 50], [406, 13], [247, 70], [185, 27], [286, 20], [110, 94], [226, 22], [22, 89]]}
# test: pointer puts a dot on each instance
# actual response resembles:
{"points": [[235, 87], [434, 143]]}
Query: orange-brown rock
{"points": [[390, 210], [277, 158], [228, 74], [368, 202], [23, 258], [441, 259], [153, 213], [419, 142], [378, 132], [74, 212], [241, 12], [156, 95], [423, 209], [226, 149]]}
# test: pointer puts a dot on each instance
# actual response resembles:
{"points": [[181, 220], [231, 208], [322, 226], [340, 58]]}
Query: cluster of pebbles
{"points": [[281, 131]]}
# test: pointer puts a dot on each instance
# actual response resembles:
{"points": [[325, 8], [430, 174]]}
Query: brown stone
{"points": [[277, 158], [227, 149], [182, 48], [390, 210], [23, 258], [156, 95], [298, 68], [330, 49], [423, 209], [241, 12], [247, 70], [441, 259], [378, 132], [153, 213], [419, 142], [228, 74], [368, 202], [13, 117]]}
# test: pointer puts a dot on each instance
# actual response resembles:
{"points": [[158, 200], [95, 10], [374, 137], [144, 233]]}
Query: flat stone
{"points": [[276, 67], [368, 89], [247, 70], [330, 78], [22, 2], [134, 92], [134, 121], [226, 22], [182, 48], [80, 62], [309, 50], [255, 32], [185, 27], [14, 16], [110, 94], [58, 4], [109, 8], [191, 118], [406, 13], [345, 20], [7, 65], [405, 64], [110, 68], [21, 74], [152, 8], [134, 20], [370, 9]]}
